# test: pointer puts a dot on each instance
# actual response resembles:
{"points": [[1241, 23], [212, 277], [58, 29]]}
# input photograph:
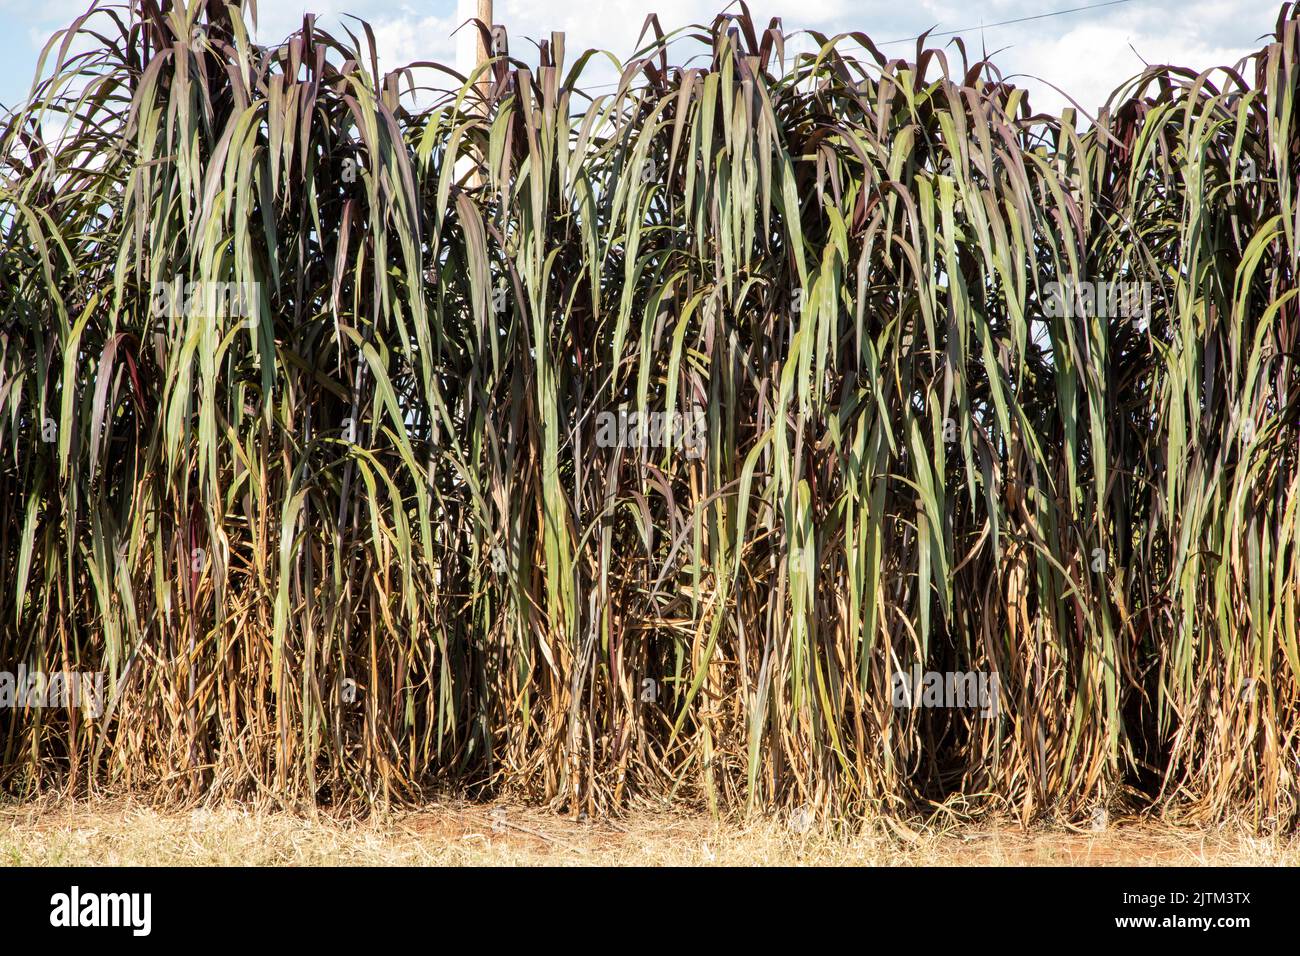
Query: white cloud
{"points": [[1086, 53]]}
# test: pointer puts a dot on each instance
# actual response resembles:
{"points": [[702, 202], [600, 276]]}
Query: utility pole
{"points": [[484, 14], [471, 48], [472, 52]]}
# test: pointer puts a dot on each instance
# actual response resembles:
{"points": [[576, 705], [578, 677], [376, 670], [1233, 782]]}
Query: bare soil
{"points": [[121, 832]]}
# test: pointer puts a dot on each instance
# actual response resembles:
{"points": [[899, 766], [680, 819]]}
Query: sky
{"points": [[1084, 54]]}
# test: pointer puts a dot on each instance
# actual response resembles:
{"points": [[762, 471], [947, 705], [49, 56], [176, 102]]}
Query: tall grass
{"points": [[369, 542]]}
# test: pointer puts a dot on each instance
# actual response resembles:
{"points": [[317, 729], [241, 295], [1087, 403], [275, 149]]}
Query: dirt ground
{"points": [[124, 833]]}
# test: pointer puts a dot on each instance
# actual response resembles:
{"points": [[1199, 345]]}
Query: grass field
{"points": [[309, 464], [455, 834]]}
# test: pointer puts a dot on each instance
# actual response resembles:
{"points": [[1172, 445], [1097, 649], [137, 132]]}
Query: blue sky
{"points": [[1086, 53]]}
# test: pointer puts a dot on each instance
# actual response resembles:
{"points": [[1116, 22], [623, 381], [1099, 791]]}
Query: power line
{"points": [[1003, 23], [946, 33]]}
